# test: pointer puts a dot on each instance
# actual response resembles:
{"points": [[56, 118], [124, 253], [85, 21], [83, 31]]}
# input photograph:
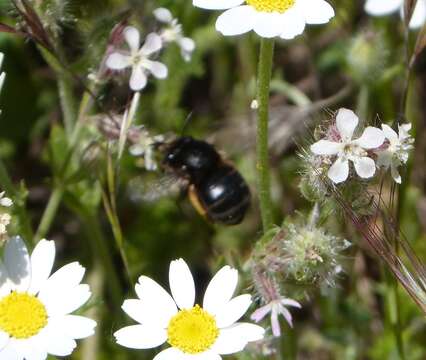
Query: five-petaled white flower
{"points": [[386, 7], [138, 58], [194, 332], [397, 150], [345, 148], [268, 18], [35, 306], [173, 33], [275, 308]]}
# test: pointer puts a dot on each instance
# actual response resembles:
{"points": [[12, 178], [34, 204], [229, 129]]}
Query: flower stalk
{"points": [[262, 162]]}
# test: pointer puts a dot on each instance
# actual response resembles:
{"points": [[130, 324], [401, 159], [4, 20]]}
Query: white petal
{"points": [[419, 15], [163, 15], [236, 21], [389, 132], [4, 339], [5, 285], [138, 79], [6, 202], [316, 11], [339, 171], [117, 61], [371, 138], [77, 327], [169, 354], [9, 353], [261, 312], [234, 339], [54, 340], [159, 70], [29, 349], [365, 167], [346, 122], [182, 284], [206, 355], [217, 4], [67, 300], [134, 308], [220, 289], [291, 302], [269, 25], [294, 24], [275, 323], [380, 7], [233, 311], [287, 315], [152, 44], [42, 259], [17, 262], [140, 337], [187, 44], [326, 147], [157, 300], [133, 38], [395, 174]]}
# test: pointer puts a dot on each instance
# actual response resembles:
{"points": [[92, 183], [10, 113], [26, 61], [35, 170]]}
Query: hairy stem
{"points": [[262, 164]]}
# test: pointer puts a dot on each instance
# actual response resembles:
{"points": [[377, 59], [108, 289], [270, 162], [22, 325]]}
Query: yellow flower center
{"points": [[280, 6], [192, 331], [22, 315]]}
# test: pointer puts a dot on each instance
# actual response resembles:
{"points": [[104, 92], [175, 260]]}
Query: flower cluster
{"points": [[268, 18], [340, 147], [5, 217], [381, 8], [140, 58], [192, 331]]}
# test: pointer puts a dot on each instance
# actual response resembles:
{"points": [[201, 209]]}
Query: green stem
{"points": [[67, 101], [262, 164]]}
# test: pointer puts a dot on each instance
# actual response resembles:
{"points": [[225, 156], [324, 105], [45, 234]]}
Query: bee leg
{"points": [[195, 201]]}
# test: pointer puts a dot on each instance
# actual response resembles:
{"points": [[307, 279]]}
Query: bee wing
{"points": [[149, 189]]}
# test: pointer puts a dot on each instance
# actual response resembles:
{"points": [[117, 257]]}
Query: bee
{"points": [[215, 188]]}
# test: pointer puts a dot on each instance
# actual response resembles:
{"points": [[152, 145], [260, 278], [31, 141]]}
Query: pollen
{"points": [[22, 315], [192, 331], [269, 6]]}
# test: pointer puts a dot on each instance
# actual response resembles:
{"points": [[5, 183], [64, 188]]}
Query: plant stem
{"points": [[49, 214], [262, 164]]}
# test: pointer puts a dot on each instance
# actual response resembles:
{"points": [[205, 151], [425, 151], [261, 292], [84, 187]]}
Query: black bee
{"points": [[216, 189]]}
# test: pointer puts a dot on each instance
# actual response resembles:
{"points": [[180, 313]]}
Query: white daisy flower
{"points": [[346, 149], [173, 33], [268, 18], [5, 201], [36, 307], [275, 308], [386, 7], [193, 332], [138, 58], [397, 150]]}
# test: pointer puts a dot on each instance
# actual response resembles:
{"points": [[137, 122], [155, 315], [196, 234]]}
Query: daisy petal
{"points": [[220, 289], [419, 15], [140, 337], [5, 285], [132, 36], [30, 349], [217, 4], [234, 339], [182, 284], [233, 311], [152, 44], [55, 341], [380, 7], [294, 24], [371, 138], [365, 167], [117, 61], [138, 79], [42, 259], [163, 15], [316, 11], [9, 353], [236, 21], [339, 171], [67, 300], [269, 25], [155, 297], [134, 308], [4, 339], [326, 147], [206, 355], [77, 327], [17, 262], [346, 122], [389, 132], [169, 354]]}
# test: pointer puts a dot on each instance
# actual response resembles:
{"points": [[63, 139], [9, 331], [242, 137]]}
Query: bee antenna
{"points": [[186, 122]]}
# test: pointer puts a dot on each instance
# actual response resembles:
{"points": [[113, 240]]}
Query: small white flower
{"points": [[386, 7], [397, 150], [36, 307], [145, 147], [5, 201], [173, 33], [268, 18], [193, 332], [346, 149], [138, 58], [275, 308]]}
